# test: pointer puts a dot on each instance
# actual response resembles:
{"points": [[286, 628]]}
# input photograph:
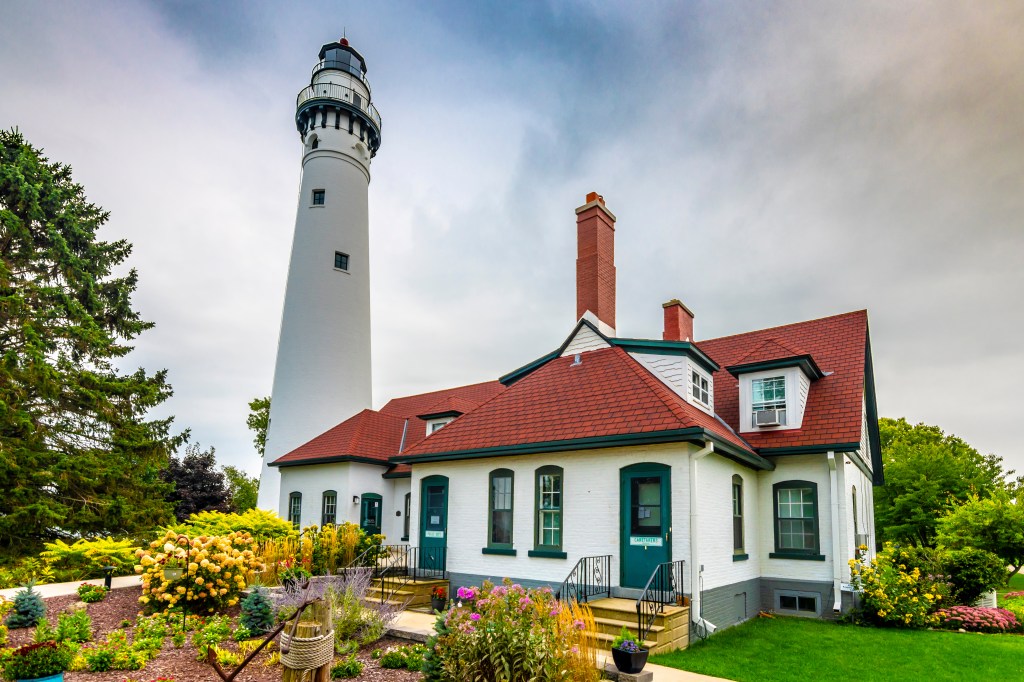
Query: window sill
{"points": [[500, 551], [798, 557], [546, 554], [341, 270], [740, 557], [316, 205]]}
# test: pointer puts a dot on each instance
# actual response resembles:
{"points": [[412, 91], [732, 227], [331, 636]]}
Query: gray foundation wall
{"points": [[770, 587], [731, 604], [458, 580]]}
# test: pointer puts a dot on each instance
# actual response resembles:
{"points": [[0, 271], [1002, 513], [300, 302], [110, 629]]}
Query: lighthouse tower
{"points": [[322, 375]]}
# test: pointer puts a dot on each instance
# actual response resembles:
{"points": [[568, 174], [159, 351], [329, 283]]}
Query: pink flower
{"points": [[474, 616]]}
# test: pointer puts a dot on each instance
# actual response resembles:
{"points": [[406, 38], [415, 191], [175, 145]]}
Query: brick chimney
{"points": [[678, 322], [595, 262]]}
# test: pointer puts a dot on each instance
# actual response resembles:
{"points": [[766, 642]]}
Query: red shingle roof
{"points": [[607, 394], [772, 349], [378, 435], [838, 345]]}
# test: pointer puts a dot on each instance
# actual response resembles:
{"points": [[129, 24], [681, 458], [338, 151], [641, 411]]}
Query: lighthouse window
{"points": [[340, 260], [318, 197]]}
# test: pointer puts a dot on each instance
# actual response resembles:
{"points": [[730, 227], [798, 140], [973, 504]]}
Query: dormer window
{"points": [[699, 389], [437, 426], [768, 401]]}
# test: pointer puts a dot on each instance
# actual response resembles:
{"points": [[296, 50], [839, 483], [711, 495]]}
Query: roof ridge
{"points": [[851, 313], [442, 390]]}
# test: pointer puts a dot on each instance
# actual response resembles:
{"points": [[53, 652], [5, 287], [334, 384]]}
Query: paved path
{"points": [[413, 625], [61, 589]]}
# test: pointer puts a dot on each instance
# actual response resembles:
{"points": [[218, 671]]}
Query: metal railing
{"points": [[339, 93], [396, 565], [590, 577], [665, 586]]}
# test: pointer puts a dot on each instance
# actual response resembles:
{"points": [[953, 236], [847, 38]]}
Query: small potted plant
{"points": [[43, 662], [173, 568], [291, 573], [629, 656], [439, 598]]}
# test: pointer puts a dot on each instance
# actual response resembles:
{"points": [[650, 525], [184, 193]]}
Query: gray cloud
{"points": [[768, 163]]}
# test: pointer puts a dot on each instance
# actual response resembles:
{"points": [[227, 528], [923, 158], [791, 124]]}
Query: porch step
{"points": [[614, 626], [670, 629]]}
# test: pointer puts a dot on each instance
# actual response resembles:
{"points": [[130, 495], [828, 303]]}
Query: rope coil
{"points": [[307, 653]]}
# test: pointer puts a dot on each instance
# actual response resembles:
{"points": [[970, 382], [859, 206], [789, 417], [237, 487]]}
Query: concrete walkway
{"points": [[418, 626], [61, 589], [413, 625]]}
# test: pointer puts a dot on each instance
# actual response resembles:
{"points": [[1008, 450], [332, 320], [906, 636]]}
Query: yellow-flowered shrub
{"points": [[218, 569], [897, 593]]}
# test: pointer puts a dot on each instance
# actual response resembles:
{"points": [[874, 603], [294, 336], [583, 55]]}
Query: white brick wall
{"points": [[346, 478], [591, 508], [714, 495], [805, 468]]}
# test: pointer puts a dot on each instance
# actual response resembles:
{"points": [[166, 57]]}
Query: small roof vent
{"points": [[577, 360]]}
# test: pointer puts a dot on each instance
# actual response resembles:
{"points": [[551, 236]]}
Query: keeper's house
{"points": [[743, 465]]}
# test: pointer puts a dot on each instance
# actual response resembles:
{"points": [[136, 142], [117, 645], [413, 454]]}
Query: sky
{"points": [[767, 162]]}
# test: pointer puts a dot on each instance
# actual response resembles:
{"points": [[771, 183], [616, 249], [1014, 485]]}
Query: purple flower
{"points": [[466, 593], [474, 616]]}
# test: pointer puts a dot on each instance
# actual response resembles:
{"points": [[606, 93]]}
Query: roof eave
{"points": [[804, 362], [331, 459]]}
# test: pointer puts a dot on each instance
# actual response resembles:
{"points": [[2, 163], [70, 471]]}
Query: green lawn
{"points": [[812, 650]]}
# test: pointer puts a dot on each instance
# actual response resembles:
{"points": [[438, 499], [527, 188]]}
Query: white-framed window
{"points": [[700, 388], [768, 394]]}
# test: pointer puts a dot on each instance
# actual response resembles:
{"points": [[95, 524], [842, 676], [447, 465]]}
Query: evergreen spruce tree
{"points": [[77, 454], [257, 612], [29, 609]]}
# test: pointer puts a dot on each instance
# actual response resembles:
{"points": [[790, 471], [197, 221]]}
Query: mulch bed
{"points": [[181, 664]]}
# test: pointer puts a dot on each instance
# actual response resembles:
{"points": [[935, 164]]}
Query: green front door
{"points": [[370, 513], [645, 521], [433, 522]]}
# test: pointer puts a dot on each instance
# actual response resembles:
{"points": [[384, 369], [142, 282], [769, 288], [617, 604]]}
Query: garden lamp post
{"points": [[188, 548], [108, 576]]}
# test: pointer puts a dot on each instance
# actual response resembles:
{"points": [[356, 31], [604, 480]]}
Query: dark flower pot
{"points": [[438, 604], [628, 663]]}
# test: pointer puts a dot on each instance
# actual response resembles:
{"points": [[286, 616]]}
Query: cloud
{"points": [[767, 163]]}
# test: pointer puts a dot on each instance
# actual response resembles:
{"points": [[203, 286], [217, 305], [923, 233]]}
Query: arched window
{"points": [[408, 510], [295, 509], [500, 504], [329, 508], [796, 520], [549, 529], [737, 518]]}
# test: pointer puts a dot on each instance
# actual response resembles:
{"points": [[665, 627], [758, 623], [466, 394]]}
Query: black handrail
{"points": [[590, 577], [665, 586]]}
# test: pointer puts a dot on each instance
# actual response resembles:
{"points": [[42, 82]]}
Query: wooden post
{"points": [[315, 622]]}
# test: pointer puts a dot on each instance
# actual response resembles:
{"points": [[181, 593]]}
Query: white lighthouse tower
{"points": [[322, 375]]}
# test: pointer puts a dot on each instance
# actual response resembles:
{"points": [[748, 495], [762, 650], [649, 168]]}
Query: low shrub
{"points": [[258, 523], [38, 660], [91, 594], [973, 572], [28, 609], [87, 557], [118, 654], [978, 619], [216, 630], [218, 569], [895, 592], [511, 633], [257, 612], [395, 657], [74, 627], [347, 667], [27, 570]]}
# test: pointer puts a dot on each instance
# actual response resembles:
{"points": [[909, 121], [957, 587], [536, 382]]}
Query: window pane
{"points": [[806, 604], [501, 527], [787, 602]]}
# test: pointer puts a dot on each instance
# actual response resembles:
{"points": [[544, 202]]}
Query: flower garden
{"points": [[210, 588]]}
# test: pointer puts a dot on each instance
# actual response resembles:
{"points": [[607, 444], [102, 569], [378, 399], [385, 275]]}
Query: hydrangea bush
{"points": [[217, 571], [896, 593], [510, 633], [978, 619]]}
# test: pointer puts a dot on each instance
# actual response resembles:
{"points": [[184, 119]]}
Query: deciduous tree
{"points": [[927, 473], [198, 485], [258, 421], [77, 454], [995, 524], [243, 489]]}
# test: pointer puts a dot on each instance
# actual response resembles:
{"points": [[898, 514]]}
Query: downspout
{"points": [[837, 574], [702, 627]]}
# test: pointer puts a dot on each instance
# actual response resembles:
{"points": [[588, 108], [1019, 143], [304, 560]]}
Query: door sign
{"points": [[635, 541]]}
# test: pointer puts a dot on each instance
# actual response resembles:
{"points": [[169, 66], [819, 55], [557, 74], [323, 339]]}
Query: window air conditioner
{"points": [[767, 418]]}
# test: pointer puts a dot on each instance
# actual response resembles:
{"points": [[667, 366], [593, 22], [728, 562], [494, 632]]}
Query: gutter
{"points": [[702, 627], [837, 575]]}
